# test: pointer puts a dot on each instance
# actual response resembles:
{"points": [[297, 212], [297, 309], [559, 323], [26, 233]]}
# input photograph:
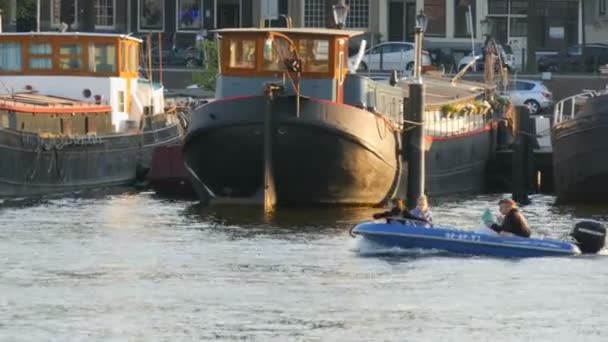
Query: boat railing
{"points": [[567, 108]]}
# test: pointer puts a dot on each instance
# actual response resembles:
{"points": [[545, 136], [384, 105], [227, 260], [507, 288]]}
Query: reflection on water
{"points": [[130, 266]]}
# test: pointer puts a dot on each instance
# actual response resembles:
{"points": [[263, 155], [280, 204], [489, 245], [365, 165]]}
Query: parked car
{"points": [[506, 57], [188, 57], [531, 94], [390, 56], [582, 57]]}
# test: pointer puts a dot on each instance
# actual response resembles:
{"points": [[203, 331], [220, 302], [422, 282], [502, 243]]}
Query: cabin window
{"points": [[314, 54], [121, 101], [10, 56], [40, 56], [242, 53], [70, 56], [102, 57], [275, 53]]}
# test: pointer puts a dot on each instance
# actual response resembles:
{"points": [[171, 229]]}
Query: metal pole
{"points": [[38, 16], [0, 20]]}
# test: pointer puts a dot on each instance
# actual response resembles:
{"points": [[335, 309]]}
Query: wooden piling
{"points": [[523, 156], [270, 197], [415, 143]]}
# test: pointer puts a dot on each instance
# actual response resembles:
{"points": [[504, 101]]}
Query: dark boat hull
{"points": [[330, 153], [457, 163], [579, 150], [33, 166]]}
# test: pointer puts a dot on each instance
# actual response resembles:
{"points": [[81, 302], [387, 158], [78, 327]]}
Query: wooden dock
{"points": [[499, 171]]}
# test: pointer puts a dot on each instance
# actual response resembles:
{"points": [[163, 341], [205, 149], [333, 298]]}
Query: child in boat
{"points": [[514, 222], [422, 210]]}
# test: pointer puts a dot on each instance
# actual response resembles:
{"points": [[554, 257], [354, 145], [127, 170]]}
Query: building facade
{"points": [[558, 23]]}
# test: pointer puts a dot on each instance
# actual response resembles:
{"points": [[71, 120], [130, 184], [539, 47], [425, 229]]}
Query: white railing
{"points": [[566, 109]]}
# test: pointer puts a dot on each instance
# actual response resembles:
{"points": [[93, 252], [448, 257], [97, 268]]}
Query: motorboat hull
{"points": [[406, 234]]}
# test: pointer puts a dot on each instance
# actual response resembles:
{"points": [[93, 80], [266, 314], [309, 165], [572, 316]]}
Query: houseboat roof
{"points": [[44, 104], [440, 90], [69, 34], [294, 30]]}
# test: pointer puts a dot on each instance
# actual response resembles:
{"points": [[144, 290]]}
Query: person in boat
{"points": [[514, 221], [422, 210], [397, 210]]}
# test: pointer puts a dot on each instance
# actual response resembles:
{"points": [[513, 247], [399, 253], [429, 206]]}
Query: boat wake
{"points": [[367, 248]]}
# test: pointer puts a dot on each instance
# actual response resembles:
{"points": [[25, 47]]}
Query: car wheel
{"points": [[533, 106], [362, 67], [552, 68], [191, 63], [409, 66]]}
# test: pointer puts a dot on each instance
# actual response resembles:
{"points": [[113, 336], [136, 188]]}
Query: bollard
{"points": [[523, 156], [415, 143]]}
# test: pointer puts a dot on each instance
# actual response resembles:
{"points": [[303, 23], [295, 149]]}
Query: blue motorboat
{"points": [[587, 237]]}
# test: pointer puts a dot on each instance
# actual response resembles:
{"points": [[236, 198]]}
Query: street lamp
{"points": [[340, 13], [421, 23], [490, 53]]}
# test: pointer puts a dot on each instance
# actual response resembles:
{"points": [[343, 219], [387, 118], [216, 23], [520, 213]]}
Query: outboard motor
{"points": [[590, 236]]}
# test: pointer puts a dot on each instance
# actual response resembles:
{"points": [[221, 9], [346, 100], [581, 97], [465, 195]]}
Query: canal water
{"points": [[135, 267]]}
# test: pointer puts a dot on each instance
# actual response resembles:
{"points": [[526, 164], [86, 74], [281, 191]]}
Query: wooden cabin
{"points": [[249, 57], [95, 68]]}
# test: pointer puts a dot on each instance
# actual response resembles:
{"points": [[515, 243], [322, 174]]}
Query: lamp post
{"points": [[413, 141], [421, 23], [490, 53], [340, 13]]}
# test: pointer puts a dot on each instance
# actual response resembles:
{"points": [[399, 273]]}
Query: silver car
{"points": [[390, 56], [531, 94]]}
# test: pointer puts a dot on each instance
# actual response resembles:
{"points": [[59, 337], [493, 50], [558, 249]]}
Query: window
{"points": [[274, 54], [314, 13], [40, 56], [70, 12], [435, 12], [314, 54], [102, 57], [70, 56], [358, 14], [105, 13], [10, 56], [524, 85], [189, 17], [400, 47], [384, 48], [498, 6], [461, 21], [151, 15], [121, 101], [602, 8], [242, 53]]}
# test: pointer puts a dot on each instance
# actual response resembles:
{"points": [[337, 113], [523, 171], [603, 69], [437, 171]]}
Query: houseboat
{"points": [[291, 118], [74, 113], [578, 137]]}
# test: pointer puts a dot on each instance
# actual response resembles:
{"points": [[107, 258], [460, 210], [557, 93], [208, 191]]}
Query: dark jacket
{"points": [[514, 223], [393, 212]]}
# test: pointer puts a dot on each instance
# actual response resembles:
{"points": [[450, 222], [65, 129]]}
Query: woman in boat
{"points": [[514, 222], [422, 210]]}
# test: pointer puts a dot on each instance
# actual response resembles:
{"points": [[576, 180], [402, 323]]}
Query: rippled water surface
{"points": [[138, 268]]}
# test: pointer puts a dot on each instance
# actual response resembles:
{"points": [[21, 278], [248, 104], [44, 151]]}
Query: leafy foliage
{"points": [[206, 78]]}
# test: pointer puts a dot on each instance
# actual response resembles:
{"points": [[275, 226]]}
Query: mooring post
{"points": [[523, 150], [415, 144], [270, 197]]}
